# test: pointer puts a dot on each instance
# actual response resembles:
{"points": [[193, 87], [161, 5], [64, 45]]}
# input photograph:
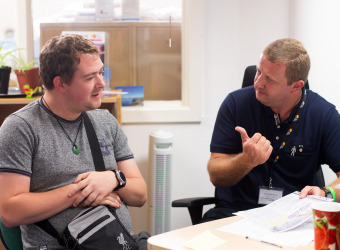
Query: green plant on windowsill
{"points": [[27, 74], [6, 57], [22, 66]]}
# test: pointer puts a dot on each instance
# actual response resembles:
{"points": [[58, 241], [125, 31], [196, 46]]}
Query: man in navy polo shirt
{"points": [[270, 139]]}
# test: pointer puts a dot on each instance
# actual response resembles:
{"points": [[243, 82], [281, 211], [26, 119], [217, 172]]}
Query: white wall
{"points": [[235, 34], [315, 24]]}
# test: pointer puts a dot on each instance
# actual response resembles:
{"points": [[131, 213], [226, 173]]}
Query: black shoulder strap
{"points": [[48, 228], [94, 144], [98, 163]]}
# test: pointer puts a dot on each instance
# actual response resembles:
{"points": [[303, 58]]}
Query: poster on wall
{"points": [[134, 95], [99, 38]]}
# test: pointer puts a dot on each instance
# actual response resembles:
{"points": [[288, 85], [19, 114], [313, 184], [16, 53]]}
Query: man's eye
{"points": [[269, 80]]}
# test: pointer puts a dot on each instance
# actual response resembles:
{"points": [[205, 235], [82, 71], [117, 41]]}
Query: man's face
{"points": [[84, 90], [270, 83]]}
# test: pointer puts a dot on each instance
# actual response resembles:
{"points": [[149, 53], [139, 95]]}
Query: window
{"points": [[8, 33], [189, 108], [180, 98]]}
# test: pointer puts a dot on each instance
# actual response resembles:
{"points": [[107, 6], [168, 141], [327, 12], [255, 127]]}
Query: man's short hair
{"points": [[291, 53], [60, 56]]}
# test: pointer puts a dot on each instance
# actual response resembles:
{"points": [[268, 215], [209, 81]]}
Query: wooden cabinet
{"points": [[138, 54], [10, 105]]}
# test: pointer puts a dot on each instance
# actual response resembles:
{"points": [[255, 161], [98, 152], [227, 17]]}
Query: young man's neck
{"points": [[56, 105]]}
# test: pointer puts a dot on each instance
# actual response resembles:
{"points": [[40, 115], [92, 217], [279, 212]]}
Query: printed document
{"points": [[286, 221]]}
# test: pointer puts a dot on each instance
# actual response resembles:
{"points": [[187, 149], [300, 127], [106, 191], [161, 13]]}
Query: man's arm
{"points": [[313, 190], [134, 193], [229, 169], [98, 186], [19, 206]]}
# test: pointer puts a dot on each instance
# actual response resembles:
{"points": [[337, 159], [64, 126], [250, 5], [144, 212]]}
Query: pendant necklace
{"points": [[75, 147]]}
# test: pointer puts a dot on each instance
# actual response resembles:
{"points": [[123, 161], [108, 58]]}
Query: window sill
{"points": [[160, 112]]}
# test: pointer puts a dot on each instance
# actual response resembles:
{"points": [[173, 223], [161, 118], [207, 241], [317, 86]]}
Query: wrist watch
{"points": [[120, 178], [328, 193]]}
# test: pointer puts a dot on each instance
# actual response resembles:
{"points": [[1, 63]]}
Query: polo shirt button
{"points": [[277, 137], [278, 126]]}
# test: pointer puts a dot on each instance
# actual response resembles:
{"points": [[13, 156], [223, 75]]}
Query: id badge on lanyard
{"points": [[268, 195]]}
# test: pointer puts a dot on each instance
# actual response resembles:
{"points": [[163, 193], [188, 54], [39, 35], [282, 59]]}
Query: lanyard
{"points": [[286, 137]]}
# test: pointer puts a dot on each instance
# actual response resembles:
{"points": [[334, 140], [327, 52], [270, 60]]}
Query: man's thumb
{"points": [[243, 132]]}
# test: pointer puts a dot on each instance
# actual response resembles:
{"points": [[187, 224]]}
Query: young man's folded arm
{"points": [[19, 206]]}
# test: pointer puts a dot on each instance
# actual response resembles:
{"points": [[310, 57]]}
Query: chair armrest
{"points": [[194, 202], [195, 206]]}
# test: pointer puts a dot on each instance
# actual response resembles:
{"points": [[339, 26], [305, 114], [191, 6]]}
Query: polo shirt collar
{"points": [[268, 112]]}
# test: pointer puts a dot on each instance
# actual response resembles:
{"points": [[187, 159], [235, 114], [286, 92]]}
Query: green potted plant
{"points": [[5, 67], [27, 74]]}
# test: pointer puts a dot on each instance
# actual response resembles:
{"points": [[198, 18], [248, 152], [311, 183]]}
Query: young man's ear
{"points": [[58, 84]]}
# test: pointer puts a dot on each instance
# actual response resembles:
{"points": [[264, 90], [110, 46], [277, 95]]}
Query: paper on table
{"points": [[204, 241], [287, 221], [300, 236], [285, 213]]}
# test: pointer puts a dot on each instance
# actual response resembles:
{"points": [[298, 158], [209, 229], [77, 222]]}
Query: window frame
{"points": [[189, 109]]}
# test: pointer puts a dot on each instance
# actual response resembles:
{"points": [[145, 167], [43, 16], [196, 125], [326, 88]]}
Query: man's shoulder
{"points": [[319, 110], [103, 114], [101, 117], [31, 113], [98, 112], [316, 101], [28, 110], [241, 96], [244, 91]]}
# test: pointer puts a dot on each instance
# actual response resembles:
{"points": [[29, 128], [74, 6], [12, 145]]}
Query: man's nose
{"points": [[101, 81], [258, 82]]}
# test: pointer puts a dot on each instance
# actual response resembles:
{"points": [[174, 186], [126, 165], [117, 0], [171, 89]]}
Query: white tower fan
{"points": [[159, 184]]}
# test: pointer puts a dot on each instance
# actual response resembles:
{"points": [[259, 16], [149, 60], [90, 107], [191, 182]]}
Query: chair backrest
{"points": [[249, 75], [10, 237], [248, 80]]}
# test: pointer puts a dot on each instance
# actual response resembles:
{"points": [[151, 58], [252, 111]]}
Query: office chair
{"points": [[195, 204]]}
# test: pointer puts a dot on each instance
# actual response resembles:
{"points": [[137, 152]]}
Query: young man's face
{"points": [[84, 90], [271, 83]]}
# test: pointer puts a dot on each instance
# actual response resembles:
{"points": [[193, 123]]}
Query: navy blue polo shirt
{"points": [[315, 140]]}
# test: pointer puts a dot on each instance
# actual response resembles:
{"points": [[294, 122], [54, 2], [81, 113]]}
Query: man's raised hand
{"points": [[257, 149]]}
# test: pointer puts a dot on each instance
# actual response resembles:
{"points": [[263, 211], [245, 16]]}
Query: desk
{"points": [[10, 105], [177, 238]]}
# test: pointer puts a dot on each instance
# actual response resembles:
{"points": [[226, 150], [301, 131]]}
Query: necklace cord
{"points": [[74, 145]]}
